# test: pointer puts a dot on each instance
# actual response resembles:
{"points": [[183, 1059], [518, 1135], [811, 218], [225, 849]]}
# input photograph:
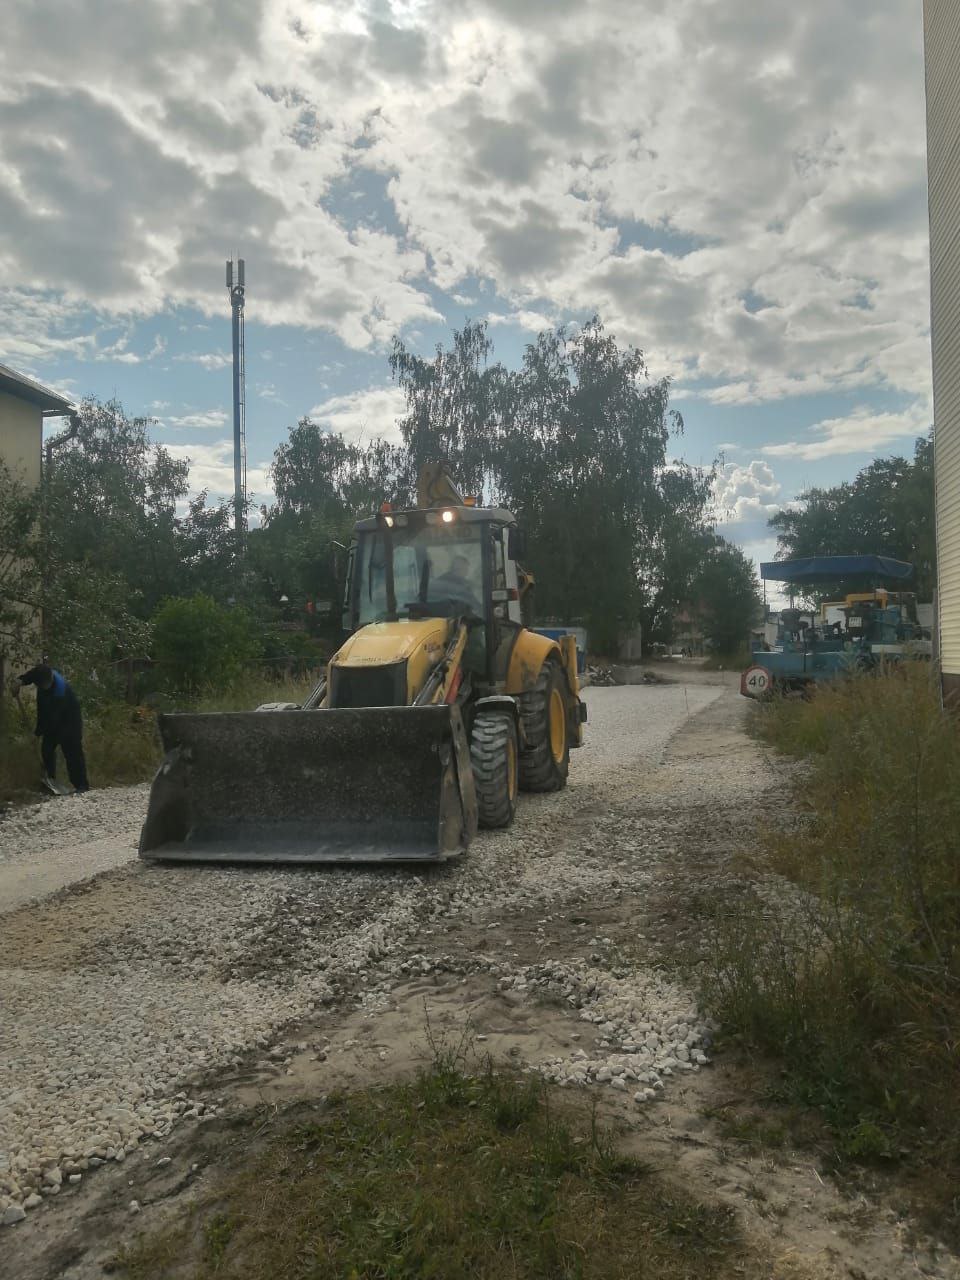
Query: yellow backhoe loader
{"points": [[439, 707]]}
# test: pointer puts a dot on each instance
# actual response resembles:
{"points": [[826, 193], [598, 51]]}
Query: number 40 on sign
{"points": [[756, 682]]}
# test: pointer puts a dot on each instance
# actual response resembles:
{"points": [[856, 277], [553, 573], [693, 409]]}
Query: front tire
{"points": [[545, 758], [494, 756]]}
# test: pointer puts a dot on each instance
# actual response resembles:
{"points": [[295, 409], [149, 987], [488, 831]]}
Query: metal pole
{"points": [[237, 289]]}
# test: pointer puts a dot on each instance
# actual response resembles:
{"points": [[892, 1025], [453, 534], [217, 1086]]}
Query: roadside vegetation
{"points": [[121, 742], [849, 973], [459, 1173]]}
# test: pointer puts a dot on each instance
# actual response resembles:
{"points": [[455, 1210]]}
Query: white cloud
{"points": [[532, 321], [746, 493], [208, 420], [363, 415], [211, 468], [208, 359], [863, 431], [779, 386], [739, 189], [118, 351], [35, 328]]}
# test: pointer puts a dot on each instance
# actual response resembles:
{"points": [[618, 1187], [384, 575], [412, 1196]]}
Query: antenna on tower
{"points": [[236, 286]]}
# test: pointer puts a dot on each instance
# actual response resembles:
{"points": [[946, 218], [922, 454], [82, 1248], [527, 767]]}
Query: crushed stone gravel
{"points": [[122, 991], [48, 845]]}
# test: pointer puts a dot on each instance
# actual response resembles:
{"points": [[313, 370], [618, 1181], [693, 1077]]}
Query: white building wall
{"points": [[942, 44], [21, 437]]}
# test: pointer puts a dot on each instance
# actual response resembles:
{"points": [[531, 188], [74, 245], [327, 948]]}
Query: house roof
{"points": [[18, 384]]}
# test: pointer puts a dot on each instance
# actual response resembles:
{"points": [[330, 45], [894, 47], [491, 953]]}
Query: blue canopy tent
{"points": [[832, 568], [823, 568]]}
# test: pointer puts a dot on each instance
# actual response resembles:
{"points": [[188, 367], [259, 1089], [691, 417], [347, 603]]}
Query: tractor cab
{"points": [[444, 562], [440, 563]]}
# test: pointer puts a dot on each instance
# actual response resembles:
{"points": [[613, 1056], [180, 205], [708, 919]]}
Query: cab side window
{"points": [[499, 571]]}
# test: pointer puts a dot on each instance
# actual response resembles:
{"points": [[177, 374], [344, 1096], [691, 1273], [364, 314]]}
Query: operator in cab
{"points": [[456, 584]]}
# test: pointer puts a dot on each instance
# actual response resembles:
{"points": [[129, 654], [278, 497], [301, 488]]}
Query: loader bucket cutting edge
{"points": [[371, 784]]}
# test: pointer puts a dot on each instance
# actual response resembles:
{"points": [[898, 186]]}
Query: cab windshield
{"points": [[437, 572]]}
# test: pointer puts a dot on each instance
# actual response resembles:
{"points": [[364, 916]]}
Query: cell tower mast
{"points": [[236, 288]]}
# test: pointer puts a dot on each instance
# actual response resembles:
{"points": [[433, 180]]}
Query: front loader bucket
{"points": [[369, 784]]}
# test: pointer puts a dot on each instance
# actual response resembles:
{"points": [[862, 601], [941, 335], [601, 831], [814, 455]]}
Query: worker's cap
{"points": [[41, 675]]}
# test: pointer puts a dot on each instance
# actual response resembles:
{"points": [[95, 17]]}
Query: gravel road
{"points": [[45, 846], [132, 981]]}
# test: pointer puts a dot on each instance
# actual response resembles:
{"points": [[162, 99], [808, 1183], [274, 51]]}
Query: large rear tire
{"points": [[545, 758], [494, 756]]}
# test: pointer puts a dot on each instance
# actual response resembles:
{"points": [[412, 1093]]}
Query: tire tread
{"points": [[538, 769], [489, 751]]}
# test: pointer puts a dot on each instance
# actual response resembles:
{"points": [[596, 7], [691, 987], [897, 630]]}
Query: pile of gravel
{"points": [[645, 1027]]}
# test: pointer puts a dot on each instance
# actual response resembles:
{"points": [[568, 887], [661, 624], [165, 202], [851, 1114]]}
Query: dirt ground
{"points": [[694, 803]]}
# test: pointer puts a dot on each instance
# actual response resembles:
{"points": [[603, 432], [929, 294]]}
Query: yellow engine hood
{"points": [[382, 642]]}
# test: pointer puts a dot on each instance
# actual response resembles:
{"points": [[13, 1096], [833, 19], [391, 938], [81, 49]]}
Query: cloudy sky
{"points": [[736, 187]]}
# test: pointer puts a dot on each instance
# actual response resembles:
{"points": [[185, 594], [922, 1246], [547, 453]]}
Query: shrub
{"points": [[201, 645]]}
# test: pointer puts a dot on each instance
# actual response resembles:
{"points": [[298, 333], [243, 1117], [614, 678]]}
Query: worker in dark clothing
{"points": [[59, 724]]}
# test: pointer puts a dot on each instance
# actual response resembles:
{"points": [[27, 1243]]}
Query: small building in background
{"points": [[941, 19], [688, 633], [23, 406]]}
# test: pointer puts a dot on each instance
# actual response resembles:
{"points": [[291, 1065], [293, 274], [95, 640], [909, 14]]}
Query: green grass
{"points": [[120, 741], [255, 689], [456, 1174], [120, 744], [854, 983]]}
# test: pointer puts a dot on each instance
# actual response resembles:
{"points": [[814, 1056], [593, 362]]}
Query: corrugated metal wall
{"points": [[942, 40]]}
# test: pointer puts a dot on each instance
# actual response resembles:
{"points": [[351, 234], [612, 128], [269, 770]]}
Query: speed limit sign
{"points": [[756, 682]]}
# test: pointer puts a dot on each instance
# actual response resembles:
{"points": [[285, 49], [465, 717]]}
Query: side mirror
{"points": [[516, 543]]}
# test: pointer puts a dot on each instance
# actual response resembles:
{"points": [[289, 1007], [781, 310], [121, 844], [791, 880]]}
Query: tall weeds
{"points": [[854, 977]]}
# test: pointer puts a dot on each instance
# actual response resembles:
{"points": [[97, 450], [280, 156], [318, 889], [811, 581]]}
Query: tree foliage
{"points": [[457, 407], [322, 484], [111, 504], [84, 604], [20, 561], [888, 509], [202, 646], [114, 544], [575, 443], [728, 596]]}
